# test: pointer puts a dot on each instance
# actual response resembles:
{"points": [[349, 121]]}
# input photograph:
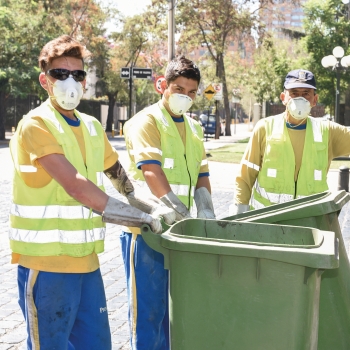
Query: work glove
{"points": [[235, 209], [149, 203], [120, 213], [120, 179], [171, 201], [204, 203], [137, 196]]}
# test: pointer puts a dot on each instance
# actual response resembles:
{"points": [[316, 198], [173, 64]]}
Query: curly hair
{"points": [[63, 46], [182, 67]]}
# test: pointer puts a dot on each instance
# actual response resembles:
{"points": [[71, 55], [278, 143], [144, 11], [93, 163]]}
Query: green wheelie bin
{"points": [[319, 211], [243, 286]]}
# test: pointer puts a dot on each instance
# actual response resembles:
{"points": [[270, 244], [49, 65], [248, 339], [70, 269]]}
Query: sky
{"points": [[127, 8], [131, 7]]}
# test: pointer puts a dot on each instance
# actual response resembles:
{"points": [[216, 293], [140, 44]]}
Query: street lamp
{"points": [[337, 62]]}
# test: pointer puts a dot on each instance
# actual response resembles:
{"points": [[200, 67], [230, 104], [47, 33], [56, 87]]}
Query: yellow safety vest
{"points": [[47, 221], [275, 182], [181, 165]]}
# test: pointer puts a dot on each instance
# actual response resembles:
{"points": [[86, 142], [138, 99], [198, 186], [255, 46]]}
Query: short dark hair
{"points": [[63, 46], [182, 67]]}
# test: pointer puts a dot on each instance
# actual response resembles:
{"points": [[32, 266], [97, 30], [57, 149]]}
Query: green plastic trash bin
{"points": [[319, 211], [245, 286]]}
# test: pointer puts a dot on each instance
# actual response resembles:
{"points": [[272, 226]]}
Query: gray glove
{"points": [[120, 179], [204, 203], [149, 203], [117, 212], [174, 203], [137, 196], [235, 209]]}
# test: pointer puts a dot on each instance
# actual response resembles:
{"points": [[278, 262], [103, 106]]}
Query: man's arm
{"points": [[156, 179], [136, 196], [204, 182], [250, 167], [202, 197], [87, 193], [76, 185], [159, 185]]}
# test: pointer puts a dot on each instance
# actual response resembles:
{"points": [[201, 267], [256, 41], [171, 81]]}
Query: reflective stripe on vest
{"points": [[51, 211], [273, 197], [250, 165], [60, 236]]}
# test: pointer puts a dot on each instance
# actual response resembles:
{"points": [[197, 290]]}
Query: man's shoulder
{"points": [[142, 118]]}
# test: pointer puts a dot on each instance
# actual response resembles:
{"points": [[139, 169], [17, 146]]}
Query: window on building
{"points": [[282, 8], [287, 14]]}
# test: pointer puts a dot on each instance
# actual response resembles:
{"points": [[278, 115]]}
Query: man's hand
{"points": [[204, 203], [174, 203], [120, 213], [147, 202], [138, 197], [236, 209]]}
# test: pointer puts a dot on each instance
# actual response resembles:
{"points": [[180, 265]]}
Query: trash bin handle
{"points": [[153, 240]]}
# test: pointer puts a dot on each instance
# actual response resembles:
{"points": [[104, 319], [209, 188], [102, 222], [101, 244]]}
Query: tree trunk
{"points": [[347, 107], [226, 102], [2, 114], [111, 104]]}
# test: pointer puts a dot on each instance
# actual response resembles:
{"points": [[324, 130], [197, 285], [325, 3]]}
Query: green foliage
{"points": [[326, 26], [272, 61]]}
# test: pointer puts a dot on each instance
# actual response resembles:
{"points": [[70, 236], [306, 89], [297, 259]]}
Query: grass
{"points": [[234, 153]]}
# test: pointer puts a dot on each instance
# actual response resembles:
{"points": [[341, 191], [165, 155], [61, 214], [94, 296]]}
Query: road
{"points": [[12, 327]]}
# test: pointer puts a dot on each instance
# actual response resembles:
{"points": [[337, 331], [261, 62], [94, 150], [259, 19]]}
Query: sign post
{"points": [[134, 73], [217, 97], [209, 93], [236, 99]]}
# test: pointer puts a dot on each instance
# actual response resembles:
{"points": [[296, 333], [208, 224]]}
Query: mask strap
{"points": [[294, 126], [52, 97]]}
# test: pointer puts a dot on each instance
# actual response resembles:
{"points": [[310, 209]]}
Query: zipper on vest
{"points": [[189, 193]]}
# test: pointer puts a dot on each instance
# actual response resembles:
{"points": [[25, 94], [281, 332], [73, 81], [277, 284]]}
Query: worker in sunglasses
{"points": [[60, 208], [168, 159]]}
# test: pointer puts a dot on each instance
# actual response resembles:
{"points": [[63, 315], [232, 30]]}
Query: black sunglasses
{"points": [[63, 74]]}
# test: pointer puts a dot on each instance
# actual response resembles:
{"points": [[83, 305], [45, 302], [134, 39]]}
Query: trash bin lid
{"points": [[297, 245], [316, 205]]}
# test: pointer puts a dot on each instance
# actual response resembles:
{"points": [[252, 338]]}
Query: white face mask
{"points": [[299, 108], [67, 93], [179, 103]]}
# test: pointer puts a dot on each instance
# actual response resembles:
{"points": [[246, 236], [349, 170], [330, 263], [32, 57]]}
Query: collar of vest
{"points": [[166, 118], [279, 125]]}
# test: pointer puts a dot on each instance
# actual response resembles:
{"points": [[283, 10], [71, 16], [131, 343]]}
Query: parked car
{"points": [[209, 128]]}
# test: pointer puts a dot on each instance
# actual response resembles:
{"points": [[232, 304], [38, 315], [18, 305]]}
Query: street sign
{"points": [[218, 89], [236, 92], [209, 92], [142, 73], [125, 73], [158, 83]]}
